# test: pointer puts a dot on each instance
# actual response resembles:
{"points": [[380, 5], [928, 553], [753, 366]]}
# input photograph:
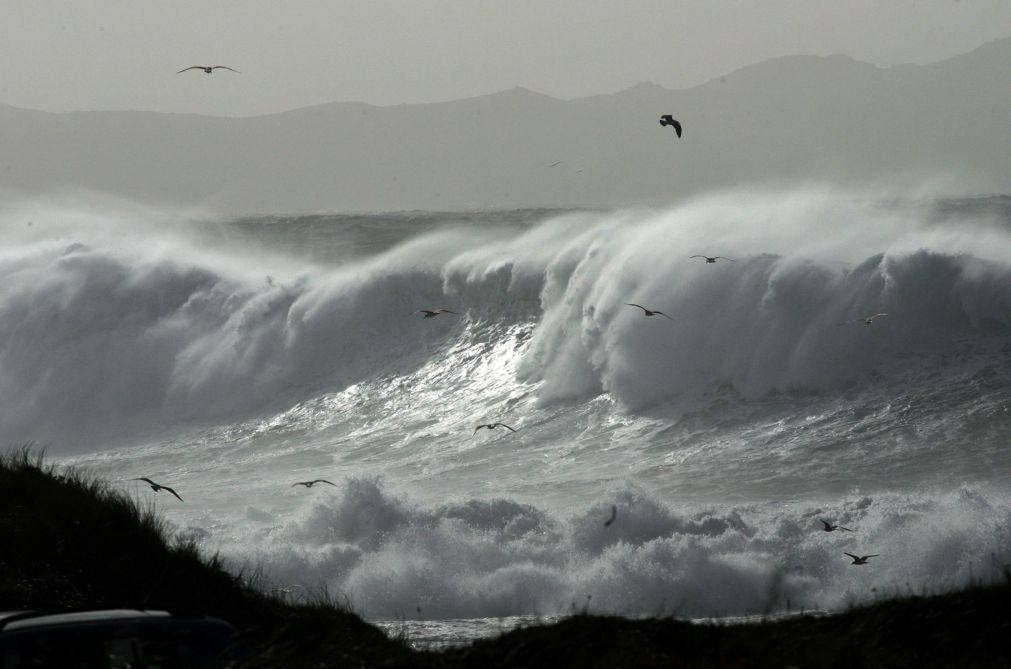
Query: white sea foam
{"points": [[488, 558], [205, 356], [119, 330]]}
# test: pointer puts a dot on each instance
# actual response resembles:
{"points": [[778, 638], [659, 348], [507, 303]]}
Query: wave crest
{"points": [[104, 339]]}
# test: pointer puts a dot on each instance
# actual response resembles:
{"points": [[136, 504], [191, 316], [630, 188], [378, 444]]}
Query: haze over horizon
{"points": [[786, 121], [111, 55]]}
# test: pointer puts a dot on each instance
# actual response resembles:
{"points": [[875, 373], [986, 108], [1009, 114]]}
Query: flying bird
{"points": [[433, 314], [866, 321], [309, 484], [156, 487], [492, 426], [667, 119], [648, 312], [712, 259], [555, 164], [860, 559], [208, 68], [614, 515], [829, 527]]}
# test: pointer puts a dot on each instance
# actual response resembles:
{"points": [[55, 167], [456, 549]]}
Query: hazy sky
{"points": [[123, 54]]}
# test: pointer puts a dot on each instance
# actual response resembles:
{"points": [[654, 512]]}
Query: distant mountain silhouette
{"points": [[796, 117]]}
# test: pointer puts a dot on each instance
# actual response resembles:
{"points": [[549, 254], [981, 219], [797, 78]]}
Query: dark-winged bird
{"points": [[711, 259], [156, 487], [208, 68], [829, 527], [667, 119], [492, 426], [860, 559], [866, 321], [309, 484], [614, 515], [433, 314], [648, 312]]}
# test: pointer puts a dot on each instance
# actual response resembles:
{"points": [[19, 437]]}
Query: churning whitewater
{"points": [[231, 359]]}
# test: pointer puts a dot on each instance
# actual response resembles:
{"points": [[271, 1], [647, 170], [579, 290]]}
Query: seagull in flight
{"points": [[614, 515], [866, 321], [555, 164], [648, 312], [829, 527], [667, 119], [711, 259], [309, 484], [156, 487], [860, 559], [492, 426], [433, 314], [208, 68]]}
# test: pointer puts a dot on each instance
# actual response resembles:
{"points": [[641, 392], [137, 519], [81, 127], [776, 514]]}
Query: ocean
{"points": [[230, 359]]}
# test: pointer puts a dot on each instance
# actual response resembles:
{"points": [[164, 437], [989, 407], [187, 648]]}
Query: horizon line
{"points": [[523, 89]]}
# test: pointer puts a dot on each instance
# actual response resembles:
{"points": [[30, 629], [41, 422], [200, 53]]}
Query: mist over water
{"points": [[232, 359]]}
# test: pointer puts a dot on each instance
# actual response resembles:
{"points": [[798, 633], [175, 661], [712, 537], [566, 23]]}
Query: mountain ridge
{"points": [[983, 48], [788, 120]]}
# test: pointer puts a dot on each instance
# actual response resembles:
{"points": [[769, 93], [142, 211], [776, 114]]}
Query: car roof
{"points": [[12, 620], [9, 614]]}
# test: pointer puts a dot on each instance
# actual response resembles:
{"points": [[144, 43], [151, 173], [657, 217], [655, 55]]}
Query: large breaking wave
{"points": [[119, 329], [222, 357]]}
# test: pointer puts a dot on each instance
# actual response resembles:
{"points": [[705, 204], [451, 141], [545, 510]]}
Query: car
{"points": [[113, 639]]}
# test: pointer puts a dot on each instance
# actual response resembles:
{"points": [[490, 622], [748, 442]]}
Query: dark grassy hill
{"points": [[70, 541], [967, 629]]}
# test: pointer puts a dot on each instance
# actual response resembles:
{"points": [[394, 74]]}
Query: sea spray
{"points": [[224, 357], [486, 558], [118, 331]]}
